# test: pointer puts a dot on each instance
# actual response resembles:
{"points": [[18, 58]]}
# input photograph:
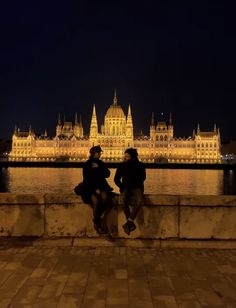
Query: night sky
{"points": [[161, 56]]}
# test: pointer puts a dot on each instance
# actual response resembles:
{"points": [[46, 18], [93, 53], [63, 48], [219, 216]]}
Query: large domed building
{"points": [[114, 136], [116, 132]]}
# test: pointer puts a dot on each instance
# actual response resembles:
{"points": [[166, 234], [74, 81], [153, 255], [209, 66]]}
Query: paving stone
{"points": [[69, 301], [117, 277], [117, 292], [166, 301], [208, 297], [138, 303], [94, 303]]}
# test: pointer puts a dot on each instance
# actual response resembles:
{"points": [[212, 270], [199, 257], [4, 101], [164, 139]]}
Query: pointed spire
{"points": [[94, 110], [194, 133], [115, 98], [64, 118], [94, 116], [129, 117], [170, 119], [15, 129], [59, 119], [215, 129], [76, 119], [94, 124], [45, 133], [129, 111], [152, 120], [198, 128], [30, 129]]}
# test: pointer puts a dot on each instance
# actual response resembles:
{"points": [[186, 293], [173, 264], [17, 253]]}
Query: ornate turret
{"points": [[215, 129], [198, 128], [93, 127], [76, 119], [129, 127], [78, 128], [170, 127], [59, 125], [152, 127]]}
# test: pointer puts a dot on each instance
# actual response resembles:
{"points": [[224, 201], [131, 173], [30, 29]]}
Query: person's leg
{"points": [[137, 199], [125, 202], [105, 207], [126, 198], [96, 205], [136, 203]]}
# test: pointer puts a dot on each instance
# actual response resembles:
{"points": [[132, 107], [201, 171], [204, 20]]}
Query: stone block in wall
{"points": [[21, 215], [67, 215], [206, 200], [205, 222], [157, 219]]}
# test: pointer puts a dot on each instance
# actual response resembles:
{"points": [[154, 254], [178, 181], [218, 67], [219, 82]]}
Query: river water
{"points": [[159, 181]]}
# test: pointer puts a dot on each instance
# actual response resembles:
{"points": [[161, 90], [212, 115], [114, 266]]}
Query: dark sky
{"points": [[161, 56]]}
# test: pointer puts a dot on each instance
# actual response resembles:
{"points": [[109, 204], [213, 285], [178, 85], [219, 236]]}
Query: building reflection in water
{"points": [[159, 181], [185, 181]]}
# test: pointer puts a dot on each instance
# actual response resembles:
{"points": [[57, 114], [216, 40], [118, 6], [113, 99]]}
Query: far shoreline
{"points": [[65, 164]]}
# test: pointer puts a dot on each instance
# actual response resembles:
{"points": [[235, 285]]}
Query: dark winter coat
{"points": [[130, 174], [95, 177]]}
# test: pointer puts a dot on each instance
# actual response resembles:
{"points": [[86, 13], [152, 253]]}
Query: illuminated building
{"points": [[115, 136]]}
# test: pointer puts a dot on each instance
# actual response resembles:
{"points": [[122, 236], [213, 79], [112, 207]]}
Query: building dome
{"points": [[115, 111]]}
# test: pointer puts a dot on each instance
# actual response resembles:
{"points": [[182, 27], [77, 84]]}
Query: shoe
{"points": [[99, 228], [126, 228], [132, 225]]}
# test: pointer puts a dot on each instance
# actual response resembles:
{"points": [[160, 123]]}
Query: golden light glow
{"points": [[115, 136]]}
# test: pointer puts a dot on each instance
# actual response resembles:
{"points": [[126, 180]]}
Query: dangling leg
{"points": [[97, 205], [125, 203], [106, 202], [137, 199]]}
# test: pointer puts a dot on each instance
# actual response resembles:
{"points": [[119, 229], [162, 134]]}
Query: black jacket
{"points": [[95, 178], [130, 174]]}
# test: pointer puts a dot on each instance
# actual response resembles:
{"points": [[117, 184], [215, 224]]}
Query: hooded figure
{"points": [[98, 190], [129, 177]]}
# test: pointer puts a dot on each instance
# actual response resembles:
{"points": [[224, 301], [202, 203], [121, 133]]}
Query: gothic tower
{"points": [[93, 128], [129, 129], [78, 128], [59, 126], [152, 128]]}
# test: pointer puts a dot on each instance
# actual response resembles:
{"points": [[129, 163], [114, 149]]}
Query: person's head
{"points": [[130, 154], [96, 151]]}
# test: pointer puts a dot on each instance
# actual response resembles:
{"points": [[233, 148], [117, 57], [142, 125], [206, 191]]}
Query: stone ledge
{"points": [[161, 217], [109, 242]]}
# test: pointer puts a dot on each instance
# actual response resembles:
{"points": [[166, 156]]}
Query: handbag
{"points": [[79, 189]]}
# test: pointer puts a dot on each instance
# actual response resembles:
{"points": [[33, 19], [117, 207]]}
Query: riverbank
{"points": [[63, 164]]}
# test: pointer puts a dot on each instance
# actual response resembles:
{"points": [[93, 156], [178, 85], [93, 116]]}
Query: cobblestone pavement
{"points": [[116, 277]]}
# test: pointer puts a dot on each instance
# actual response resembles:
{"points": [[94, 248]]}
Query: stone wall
{"points": [[162, 217]]}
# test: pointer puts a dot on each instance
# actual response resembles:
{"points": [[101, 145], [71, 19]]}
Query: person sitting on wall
{"points": [[129, 177], [98, 190]]}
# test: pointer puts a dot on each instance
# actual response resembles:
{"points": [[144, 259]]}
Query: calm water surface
{"points": [[159, 181]]}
